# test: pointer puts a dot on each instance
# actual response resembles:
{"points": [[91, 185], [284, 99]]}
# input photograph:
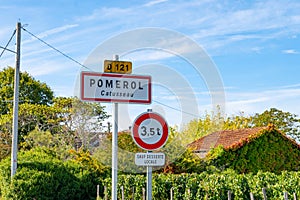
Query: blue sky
{"points": [[255, 46]]}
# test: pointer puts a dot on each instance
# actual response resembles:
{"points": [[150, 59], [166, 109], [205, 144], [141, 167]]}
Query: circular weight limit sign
{"points": [[150, 131]]}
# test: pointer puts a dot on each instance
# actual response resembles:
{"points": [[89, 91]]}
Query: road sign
{"points": [[150, 131], [104, 87], [121, 67], [150, 159]]}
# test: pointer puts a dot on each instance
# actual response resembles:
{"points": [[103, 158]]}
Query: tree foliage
{"points": [[200, 127], [126, 151], [32, 117], [41, 175], [63, 120], [86, 119], [30, 90], [58, 143], [286, 122], [187, 162], [5, 136]]}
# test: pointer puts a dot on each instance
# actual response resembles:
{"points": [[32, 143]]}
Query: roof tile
{"points": [[225, 138]]}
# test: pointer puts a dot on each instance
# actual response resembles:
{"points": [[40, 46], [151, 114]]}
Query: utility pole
{"points": [[14, 146]]}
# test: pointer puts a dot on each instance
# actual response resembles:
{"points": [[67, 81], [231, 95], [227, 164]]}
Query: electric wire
{"points": [[57, 50], [69, 57], [1, 47], [5, 48], [176, 109]]}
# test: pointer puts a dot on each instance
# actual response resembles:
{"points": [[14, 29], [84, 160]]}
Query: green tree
{"points": [[5, 136], [58, 143], [31, 116], [200, 127], [126, 151], [86, 119], [30, 90], [237, 122], [186, 162], [286, 122], [65, 119]]}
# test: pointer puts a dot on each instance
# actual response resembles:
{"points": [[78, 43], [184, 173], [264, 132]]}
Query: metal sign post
{"points": [[150, 131], [118, 87], [115, 149], [115, 152], [149, 181]]}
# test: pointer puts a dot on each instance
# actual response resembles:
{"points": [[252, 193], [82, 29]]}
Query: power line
{"points": [[57, 50], [69, 57], [5, 48], [1, 47], [176, 109]]}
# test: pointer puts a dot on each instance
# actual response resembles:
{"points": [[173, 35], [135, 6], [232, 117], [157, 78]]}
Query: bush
{"points": [[40, 175]]}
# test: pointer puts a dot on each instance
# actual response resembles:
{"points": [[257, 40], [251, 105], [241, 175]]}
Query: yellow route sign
{"points": [[120, 67]]}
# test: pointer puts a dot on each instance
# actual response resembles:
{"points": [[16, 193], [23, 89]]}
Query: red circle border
{"points": [[137, 122]]}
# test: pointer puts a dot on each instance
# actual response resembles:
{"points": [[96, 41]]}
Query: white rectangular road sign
{"points": [[150, 159], [106, 87]]}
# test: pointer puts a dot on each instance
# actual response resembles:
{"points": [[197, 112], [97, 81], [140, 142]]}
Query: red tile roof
{"points": [[225, 138]]}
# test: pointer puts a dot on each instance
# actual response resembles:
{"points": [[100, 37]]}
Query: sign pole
{"points": [[150, 132], [149, 175], [114, 87], [149, 181], [115, 149]]}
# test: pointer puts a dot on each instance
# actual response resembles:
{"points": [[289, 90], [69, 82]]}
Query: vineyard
{"points": [[212, 186]]}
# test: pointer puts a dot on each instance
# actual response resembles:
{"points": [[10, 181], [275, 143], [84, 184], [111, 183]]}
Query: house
{"points": [[250, 149], [226, 138]]}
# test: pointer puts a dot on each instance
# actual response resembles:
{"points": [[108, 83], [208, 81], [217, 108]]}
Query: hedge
{"points": [[40, 175]]}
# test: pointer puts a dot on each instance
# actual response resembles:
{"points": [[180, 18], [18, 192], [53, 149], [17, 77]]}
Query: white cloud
{"points": [[257, 49], [45, 68], [106, 13], [218, 24], [149, 56], [151, 3], [52, 32], [290, 86], [258, 101], [290, 51], [236, 103], [256, 22], [56, 30]]}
